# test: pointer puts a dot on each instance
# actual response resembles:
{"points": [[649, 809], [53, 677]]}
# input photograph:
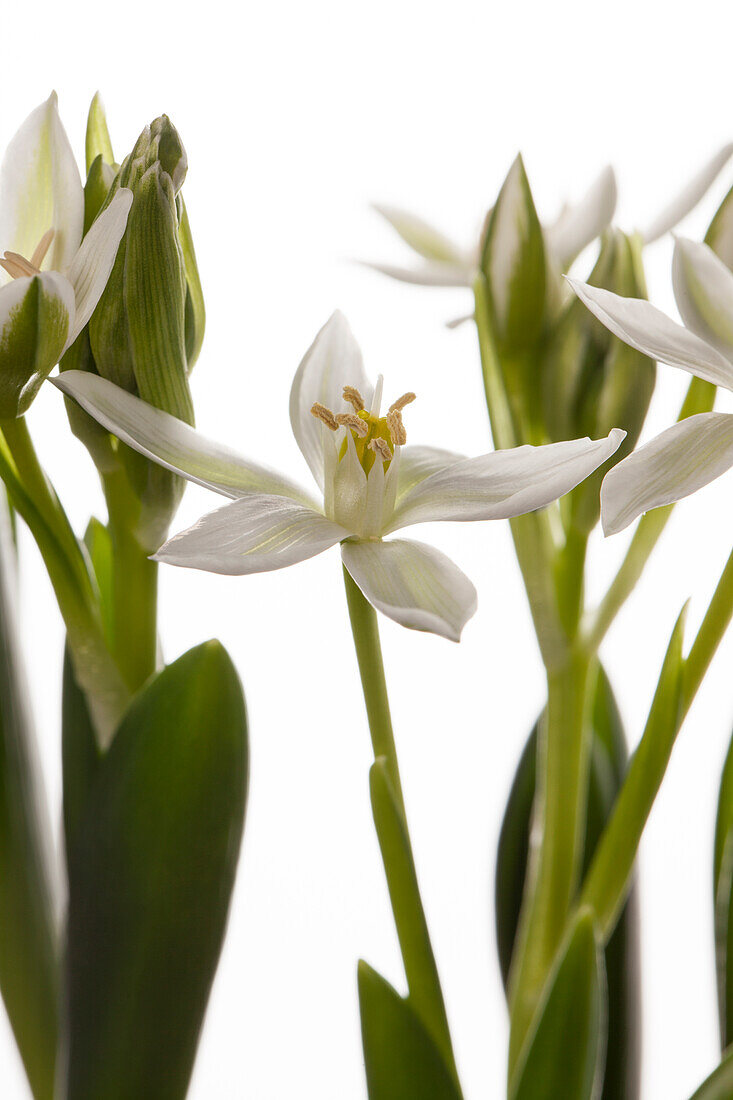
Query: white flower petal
{"points": [[422, 237], [678, 462], [332, 361], [170, 442], [431, 273], [581, 223], [91, 267], [651, 332], [253, 535], [417, 463], [413, 584], [689, 197], [503, 484], [40, 189], [703, 290]]}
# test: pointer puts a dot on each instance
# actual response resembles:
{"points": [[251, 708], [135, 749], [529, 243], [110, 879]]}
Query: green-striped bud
{"points": [[592, 381], [148, 326]]}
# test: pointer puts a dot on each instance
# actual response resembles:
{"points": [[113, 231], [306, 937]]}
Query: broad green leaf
{"points": [[151, 872], [607, 766], [401, 1060], [98, 141], [719, 1085], [80, 754], [606, 884], [28, 947], [570, 1019], [425, 994]]}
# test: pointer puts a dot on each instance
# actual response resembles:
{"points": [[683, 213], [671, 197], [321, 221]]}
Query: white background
{"points": [[295, 116]]}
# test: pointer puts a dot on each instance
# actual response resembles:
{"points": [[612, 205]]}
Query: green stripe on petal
{"points": [[413, 584], [36, 315]]}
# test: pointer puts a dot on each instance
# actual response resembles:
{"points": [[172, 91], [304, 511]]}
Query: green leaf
{"points": [[401, 1060], [513, 261], [722, 895], [98, 141], [719, 1085], [28, 947], [607, 767], [425, 995], [606, 884], [570, 1019], [80, 754], [150, 878]]}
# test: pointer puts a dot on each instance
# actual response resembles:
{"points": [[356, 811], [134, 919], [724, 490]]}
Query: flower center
{"points": [[372, 434], [17, 266]]}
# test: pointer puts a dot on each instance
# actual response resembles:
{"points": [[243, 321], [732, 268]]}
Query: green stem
{"points": [[554, 859], [134, 586], [37, 503], [390, 820]]}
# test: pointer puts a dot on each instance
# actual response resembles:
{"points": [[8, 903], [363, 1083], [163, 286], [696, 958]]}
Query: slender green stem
{"points": [[555, 850], [37, 503], [374, 685], [390, 821], [134, 586]]}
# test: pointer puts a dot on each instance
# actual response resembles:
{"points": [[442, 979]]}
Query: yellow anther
{"points": [[349, 420], [352, 395], [381, 447], [323, 414], [396, 427], [400, 403], [39, 254]]}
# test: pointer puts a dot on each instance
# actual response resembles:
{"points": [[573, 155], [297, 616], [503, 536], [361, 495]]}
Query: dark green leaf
{"points": [[401, 1060], [28, 949], [570, 1020], [150, 879], [722, 894]]}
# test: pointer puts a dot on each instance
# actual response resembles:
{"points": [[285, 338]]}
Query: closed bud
{"points": [[513, 261], [592, 381], [145, 326], [35, 318]]}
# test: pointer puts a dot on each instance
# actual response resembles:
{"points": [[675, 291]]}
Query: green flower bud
{"points": [[148, 326], [513, 261], [591, 381]]}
